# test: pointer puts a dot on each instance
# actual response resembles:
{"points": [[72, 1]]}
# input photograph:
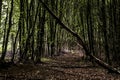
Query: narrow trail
{"points": [[63, 67]]}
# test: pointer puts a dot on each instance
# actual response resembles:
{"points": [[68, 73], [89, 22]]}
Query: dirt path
{"points": [[64, 67]]}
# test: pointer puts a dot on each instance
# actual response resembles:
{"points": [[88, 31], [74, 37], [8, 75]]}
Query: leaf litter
{"points": [[63, 67]]}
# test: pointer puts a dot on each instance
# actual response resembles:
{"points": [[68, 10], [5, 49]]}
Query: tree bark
{"points": [[98, 61], [104, 22], [14, 46], [0, 11], [4, 33]]}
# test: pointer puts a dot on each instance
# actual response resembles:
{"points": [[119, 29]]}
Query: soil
{"points": [[64, 67]]}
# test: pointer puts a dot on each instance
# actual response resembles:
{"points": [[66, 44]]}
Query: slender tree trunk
{"points": [[115, 29], [20, 25], [4, 33], [104, 21], [90, 28], [0, 11], [14, 46]]}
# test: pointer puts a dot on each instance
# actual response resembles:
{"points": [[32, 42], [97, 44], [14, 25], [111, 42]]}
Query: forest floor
{"points": [[63, 67]]}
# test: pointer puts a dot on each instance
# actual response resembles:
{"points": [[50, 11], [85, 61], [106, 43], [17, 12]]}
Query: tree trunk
{"points": [[14, 46], [105, 32], [90, 28], [4, 33], [0, 11]]}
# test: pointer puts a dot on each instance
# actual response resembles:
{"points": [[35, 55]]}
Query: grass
{"points": [[46, 59]]}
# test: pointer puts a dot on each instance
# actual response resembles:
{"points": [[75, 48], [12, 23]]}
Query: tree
{"points": [[0, 10], [90, 27], [40, 35], [105, 31]]}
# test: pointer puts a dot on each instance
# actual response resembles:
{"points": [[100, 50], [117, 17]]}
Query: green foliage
{"points": [[43, 59]]}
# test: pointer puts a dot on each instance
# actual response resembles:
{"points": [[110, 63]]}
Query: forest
{"points": [[59, 39]]}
